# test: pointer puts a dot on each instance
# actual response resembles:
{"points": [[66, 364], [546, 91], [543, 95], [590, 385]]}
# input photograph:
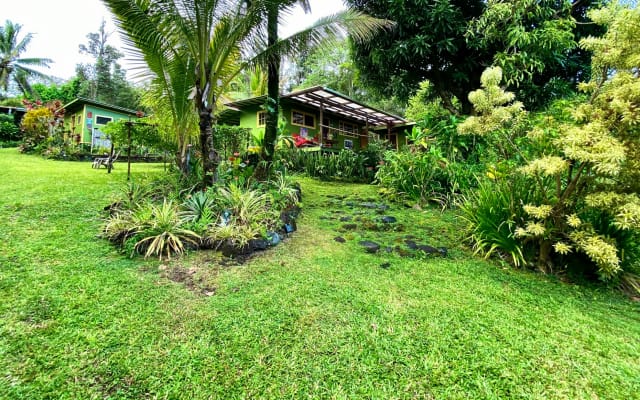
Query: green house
{"points": [[84, 118], [319, 118]]}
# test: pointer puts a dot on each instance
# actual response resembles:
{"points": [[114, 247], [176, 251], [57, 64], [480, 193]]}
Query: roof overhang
{"points": [[340, 104], [330, 101], [81, 101]]}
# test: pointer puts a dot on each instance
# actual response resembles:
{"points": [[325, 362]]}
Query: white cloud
{"points": [[59, 27]]}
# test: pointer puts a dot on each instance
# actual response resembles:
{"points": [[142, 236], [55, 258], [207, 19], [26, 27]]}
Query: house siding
{"points": [[89, 114], [249, 119]]}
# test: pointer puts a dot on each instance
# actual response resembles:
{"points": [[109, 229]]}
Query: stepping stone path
{"points": [[370, 217]]}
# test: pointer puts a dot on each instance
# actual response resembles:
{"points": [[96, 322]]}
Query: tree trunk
{"points": [[273, 88], [210, 158], [544, 256]]}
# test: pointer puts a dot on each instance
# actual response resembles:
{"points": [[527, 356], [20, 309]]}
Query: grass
{"points": [[312, 318]]}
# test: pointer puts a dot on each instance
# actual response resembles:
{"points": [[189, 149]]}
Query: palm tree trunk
{"points": [[209, 155], [273, 87]]}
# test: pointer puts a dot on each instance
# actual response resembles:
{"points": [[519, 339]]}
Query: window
{"points": [[347, 128], [348, 144], [262, 118], [303, 119], [103, 120]]}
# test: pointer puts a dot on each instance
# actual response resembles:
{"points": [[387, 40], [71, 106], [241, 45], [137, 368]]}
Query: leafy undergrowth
{"points": [[311, 318]]}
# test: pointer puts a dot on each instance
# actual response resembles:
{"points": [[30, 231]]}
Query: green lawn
{"points": [[312, 318]]}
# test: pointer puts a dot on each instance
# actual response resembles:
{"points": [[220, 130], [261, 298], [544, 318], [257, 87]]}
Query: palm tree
{"points": [[194, 49], [12, 67], [191, 49], [358, 26]]}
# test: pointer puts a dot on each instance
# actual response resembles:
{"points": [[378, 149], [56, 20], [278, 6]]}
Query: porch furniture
{"points": [[107, 162]]}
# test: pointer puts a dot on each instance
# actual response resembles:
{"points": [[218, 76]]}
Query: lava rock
{"points": [[350, 227], [274, 238], [228, 249], [388, 219], [346, 218], [339, 239], [411, 244], [427, 249], [258, 244], [443, 251], [369, 246]]}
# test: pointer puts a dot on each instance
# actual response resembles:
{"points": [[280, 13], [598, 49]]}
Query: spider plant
{"points": [[162, 232]]}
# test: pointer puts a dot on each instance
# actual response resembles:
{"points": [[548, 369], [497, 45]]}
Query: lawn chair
{"points": [[106, 161]]}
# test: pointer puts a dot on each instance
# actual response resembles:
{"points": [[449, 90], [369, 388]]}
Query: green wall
{"points": [[87, 124], [249, 119]]}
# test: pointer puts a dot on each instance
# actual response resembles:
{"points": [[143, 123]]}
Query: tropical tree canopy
{"points": [[450, 43]]}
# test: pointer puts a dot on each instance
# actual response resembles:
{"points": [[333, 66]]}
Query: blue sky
{"points": [[59, 27]]}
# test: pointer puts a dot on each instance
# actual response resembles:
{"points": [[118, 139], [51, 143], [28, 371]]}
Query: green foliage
{"points": [[65, 92], [104, 80], [330, 66], [160, 231], [492, 211], [42, 126], [145, 137], [198, 206], [9, 131], [418, 174], [13, 68], [535, 43], [425, 106], [528, 34], [231, 139], [156, 229], [427, 43], [344, 165], [578, 168]]}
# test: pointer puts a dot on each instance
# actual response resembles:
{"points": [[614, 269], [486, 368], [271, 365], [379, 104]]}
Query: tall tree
{"points": [[191, 50], [105, 80], [427, 42], [359, 26], [12, 66], [535, 43], [194, 48]]}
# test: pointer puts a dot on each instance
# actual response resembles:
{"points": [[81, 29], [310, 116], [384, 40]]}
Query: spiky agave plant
{"points": [[197, 205]]}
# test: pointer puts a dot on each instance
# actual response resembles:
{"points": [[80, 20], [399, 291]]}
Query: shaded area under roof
{"points": [[330, 101]]}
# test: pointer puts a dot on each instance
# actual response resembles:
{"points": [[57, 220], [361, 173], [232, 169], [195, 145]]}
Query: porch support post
{"points": [[321, 122], [366, 126], [389, 134]]}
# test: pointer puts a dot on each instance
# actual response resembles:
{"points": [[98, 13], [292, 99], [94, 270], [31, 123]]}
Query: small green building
{"points": [[84, 118], [321, 118]]}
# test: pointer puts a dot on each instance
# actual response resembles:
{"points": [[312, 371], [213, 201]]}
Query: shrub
{"points": [[161, 231], [493, 211], [419, 175], [345, 165], [9, 131], [580, 168]]}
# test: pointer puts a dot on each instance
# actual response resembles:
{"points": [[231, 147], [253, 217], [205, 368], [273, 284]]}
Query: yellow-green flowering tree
{"points": [[588, 166]]}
